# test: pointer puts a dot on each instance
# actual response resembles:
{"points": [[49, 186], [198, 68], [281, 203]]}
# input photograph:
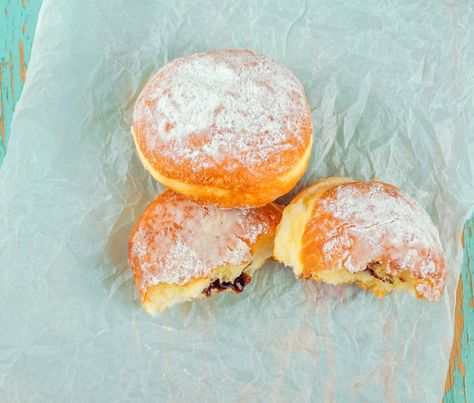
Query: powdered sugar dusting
{"points": [[233, 106], [178, 240], [378, 222]]}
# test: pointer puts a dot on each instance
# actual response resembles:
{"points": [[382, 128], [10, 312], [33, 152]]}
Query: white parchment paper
{"points": [[392, 89]]}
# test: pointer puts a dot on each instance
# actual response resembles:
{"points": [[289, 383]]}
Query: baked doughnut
{"points": [[180, 250], [368, 233], [227, 127]]}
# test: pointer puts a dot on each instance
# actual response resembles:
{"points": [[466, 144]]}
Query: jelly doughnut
{"points": [[229, 127], [368, 233], [180, 250]]}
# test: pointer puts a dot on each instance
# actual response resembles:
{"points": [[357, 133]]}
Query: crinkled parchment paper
{"points": [[392, 93]]}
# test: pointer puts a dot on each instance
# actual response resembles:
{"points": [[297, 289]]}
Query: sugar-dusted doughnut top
{"points": [[176, 240], [356, 223], [224, 118]]}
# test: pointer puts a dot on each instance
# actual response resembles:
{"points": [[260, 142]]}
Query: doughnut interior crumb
{"points": [[374, 278], [165, 295], [288, 249]]}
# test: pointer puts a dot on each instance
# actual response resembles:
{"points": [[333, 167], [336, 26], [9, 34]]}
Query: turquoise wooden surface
{"points": [[17, 25], [460, 378]]}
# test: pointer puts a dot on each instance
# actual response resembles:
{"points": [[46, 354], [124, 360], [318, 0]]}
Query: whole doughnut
{"points": [[226, 127]]}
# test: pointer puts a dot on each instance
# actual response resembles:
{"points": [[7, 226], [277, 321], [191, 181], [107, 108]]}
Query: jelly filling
{"points": [[237, 285], [378, 274]]}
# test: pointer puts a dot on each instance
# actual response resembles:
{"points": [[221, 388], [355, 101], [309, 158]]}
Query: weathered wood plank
{"points": [[17, 26], [460, 378]]}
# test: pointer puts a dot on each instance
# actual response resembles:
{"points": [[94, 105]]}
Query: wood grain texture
{"points": [[460, 378], [17, 25]]}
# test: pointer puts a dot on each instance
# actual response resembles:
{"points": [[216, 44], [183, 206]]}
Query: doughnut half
{"points": [[227, 127], [180, 250], [368, 233]]}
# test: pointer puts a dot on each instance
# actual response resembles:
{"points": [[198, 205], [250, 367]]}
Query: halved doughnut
{"points": [[180, 250], [368, 233]]}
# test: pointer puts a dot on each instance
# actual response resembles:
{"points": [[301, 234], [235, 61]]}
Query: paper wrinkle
{"points": [[392, 95]]}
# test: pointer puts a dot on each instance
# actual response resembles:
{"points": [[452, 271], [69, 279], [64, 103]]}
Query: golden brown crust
{"points": [[242, 193]]}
